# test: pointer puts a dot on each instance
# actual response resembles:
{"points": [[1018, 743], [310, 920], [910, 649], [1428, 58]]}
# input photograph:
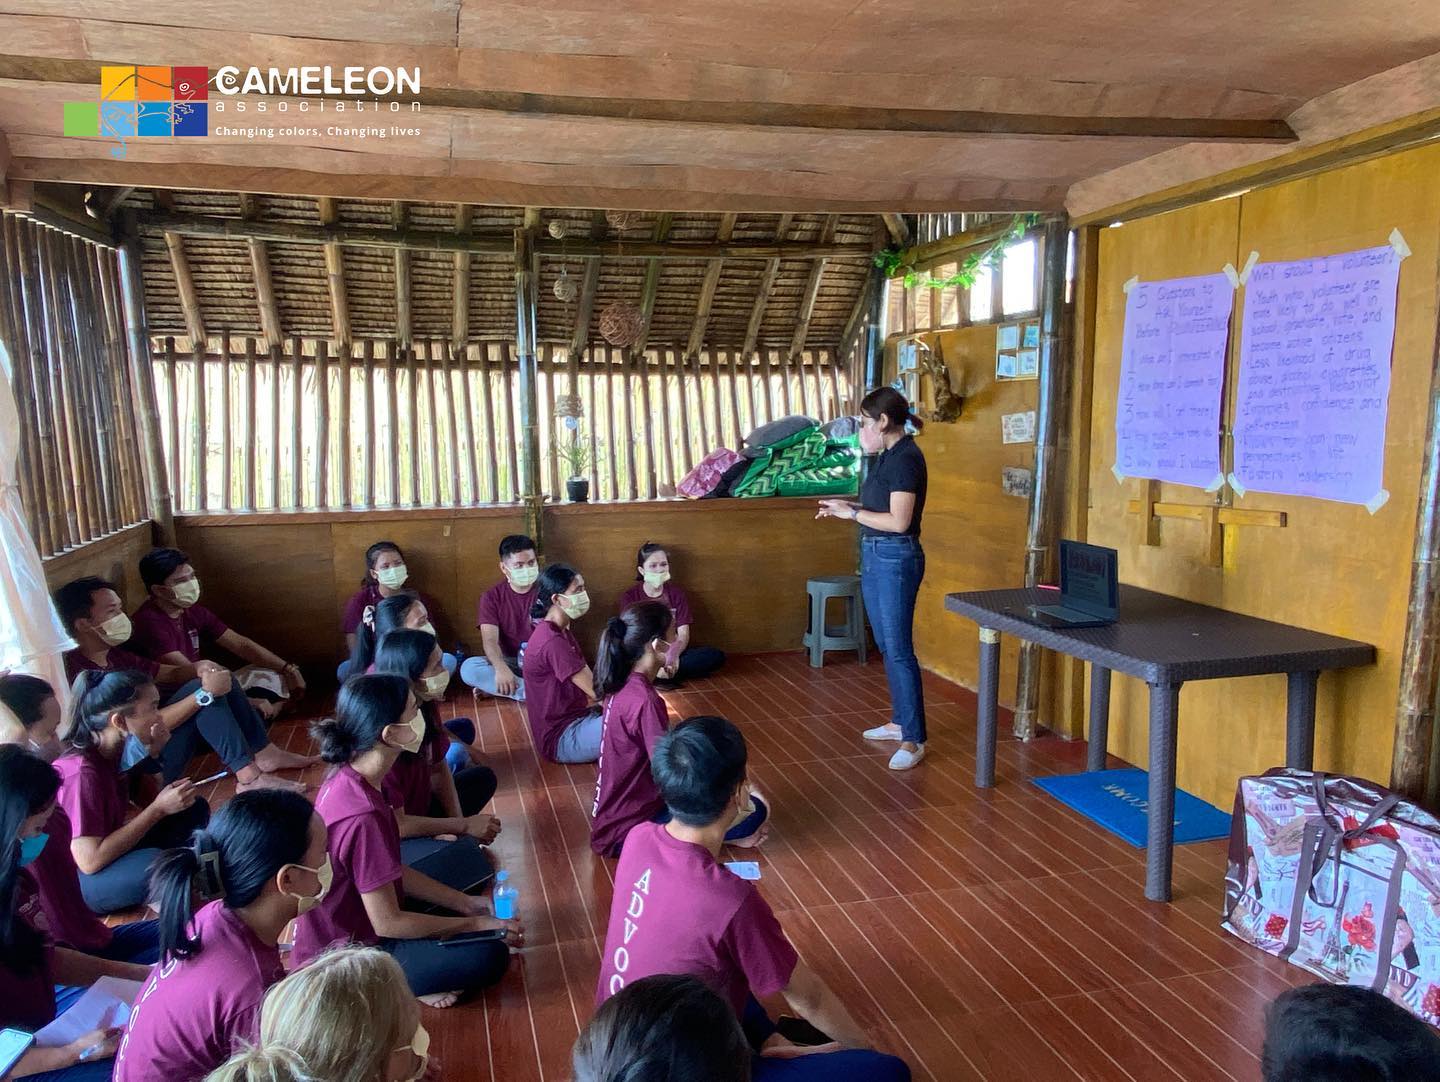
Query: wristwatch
{"points": [[203, 698]]}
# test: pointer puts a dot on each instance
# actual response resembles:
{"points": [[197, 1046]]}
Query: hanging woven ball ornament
{"points": [[621, 219], [565, 287], [557, 228], [620, 323]]}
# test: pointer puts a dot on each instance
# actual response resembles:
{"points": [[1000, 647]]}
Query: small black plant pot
{"points": [[578, 489]]}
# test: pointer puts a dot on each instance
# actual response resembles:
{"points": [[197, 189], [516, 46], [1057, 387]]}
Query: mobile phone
{"points": [[474, 937], [14, 1043]]}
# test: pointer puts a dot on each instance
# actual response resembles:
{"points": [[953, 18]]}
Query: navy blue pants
{"points": [[848, 1065], [122, 883], [891, 569]]}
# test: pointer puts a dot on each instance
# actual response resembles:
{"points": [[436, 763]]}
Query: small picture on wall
{"points": [[1009, 337], [1016, 481], [1029, 363], [1006, 366], [1017, 353], [907, 356], [1032, 335]]}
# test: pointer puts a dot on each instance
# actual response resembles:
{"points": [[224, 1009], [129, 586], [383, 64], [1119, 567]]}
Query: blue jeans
{"points": [[229, 726], [138, 942], [479, 674], [580, 742], [891, 569], [848, 1065]]}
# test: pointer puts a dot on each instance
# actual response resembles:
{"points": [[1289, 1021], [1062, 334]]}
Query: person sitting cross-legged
{"points": [[678, 910], [505, 622]]}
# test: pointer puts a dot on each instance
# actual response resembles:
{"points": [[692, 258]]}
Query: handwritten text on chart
{"points": [[1315, 375], [1172, 370]]}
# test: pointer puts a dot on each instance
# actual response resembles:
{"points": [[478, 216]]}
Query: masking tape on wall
{"points": [[1236, 486]]}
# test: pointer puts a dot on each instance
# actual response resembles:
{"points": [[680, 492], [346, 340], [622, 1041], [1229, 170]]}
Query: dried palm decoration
{"points": [[620, 323]]}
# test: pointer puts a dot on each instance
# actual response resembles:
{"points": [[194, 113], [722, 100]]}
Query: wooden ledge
{"points": [[89, 549]]}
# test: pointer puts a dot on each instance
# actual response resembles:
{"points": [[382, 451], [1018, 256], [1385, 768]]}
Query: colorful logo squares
{"points": [[141, 100]]}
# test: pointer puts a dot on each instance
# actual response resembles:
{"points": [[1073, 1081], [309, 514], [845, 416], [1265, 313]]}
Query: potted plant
{"points": [[577, 456]]}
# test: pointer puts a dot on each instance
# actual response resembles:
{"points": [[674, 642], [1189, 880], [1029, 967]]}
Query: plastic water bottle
{"points": [[504, 897]]}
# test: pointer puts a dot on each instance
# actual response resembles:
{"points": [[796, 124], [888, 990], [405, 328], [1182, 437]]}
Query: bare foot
{"points": [[440, 1000], [270, 759], [270, 781]]}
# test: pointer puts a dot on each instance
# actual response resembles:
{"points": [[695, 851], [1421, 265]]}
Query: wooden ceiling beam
{"points": [[264, 284], [856, 318], [812, 290], [585, 310], [650, 287], [184, 282], [723, 230], [460, 323], [335, 276], [399, 218], [762, 295], [898, 228]]}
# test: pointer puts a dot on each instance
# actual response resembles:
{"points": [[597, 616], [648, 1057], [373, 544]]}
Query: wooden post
{"points": [[142, 379], [717, 406], [662, 410], [322, 423], [434, 424], [64, 391], [275, 362], [592, 416], [88, 361], [836, 408], [392, 402], [226, 442], [443, 348], [104, 262], [739, 428], [612, 451], [412, 440], [488, 410], [525, 316], [297, 454], [252, 425], [370, 429], [202, 435], [55, 460], [471, 452], [682, 397], [548, 435], [507, 405], [652, 455], [347, 442], [747, 370], [12, 326]]}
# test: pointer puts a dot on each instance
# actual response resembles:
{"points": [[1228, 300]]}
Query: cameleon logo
{"points": [[139, 101]]}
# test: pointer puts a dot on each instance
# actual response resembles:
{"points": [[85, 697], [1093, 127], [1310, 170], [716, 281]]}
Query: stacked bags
{"points": [[794, 456]]}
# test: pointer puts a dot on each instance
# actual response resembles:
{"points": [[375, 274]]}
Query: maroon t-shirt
{"points": [[192, 1013], [510, 612], [552, 701], [670, 594], [57, 880], [676, 910], [369, 596], [157, 634], [92, 794], [364, 851], [27, 1000], [116, 660], [625, 790], [410, 785]]}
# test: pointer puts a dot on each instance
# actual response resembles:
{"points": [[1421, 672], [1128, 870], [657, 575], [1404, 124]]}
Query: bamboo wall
{"points": [[1333, 567]]}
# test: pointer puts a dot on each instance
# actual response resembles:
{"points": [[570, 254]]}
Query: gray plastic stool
{"points": [[847, 636]]}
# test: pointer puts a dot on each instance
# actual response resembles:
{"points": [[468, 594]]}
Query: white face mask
{"points": [[392, 578], [325, 873], [416, 725], [428, 628], [419, 1046], [433, 687], [656, 578], [523, 577], [115, 630], [185, 593], [574, 605]]}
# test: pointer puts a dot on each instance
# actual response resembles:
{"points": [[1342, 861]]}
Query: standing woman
{"points": [[559, 686], [892, 563]]}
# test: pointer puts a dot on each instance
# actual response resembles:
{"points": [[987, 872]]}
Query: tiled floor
{"points": [[980, 935]]}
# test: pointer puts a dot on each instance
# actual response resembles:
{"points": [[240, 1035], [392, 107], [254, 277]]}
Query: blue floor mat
{"points": [[1115, 799]]}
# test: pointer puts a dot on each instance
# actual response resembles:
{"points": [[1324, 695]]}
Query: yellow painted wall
{"points": [[974, 534], [1334, 567]]}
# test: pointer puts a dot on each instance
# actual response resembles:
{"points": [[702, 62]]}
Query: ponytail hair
{"points": [[247, 843], [367, 704], [338, 1018], [380, 619], [27, 784], [555, 579], [373, 553], [888, 402], [97, 695], [623, 643]]}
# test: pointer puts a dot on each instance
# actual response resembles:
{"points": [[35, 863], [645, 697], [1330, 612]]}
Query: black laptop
{"points": [[1089, 589]]}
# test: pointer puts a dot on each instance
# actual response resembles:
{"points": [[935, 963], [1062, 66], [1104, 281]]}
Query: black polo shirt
{"points": [[900, 469]]}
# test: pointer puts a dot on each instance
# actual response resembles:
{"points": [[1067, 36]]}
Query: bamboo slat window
{"points": [[81, 468], [431, 426]]}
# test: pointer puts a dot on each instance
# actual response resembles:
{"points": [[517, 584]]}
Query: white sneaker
{"points": [[904, 760], [882, 732]]}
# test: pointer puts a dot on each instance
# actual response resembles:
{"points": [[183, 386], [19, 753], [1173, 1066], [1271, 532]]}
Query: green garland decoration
{"points": [[891, 260]]}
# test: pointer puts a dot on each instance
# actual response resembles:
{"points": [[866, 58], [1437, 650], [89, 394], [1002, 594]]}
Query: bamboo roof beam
{"points": [[264, 283], [723, 231], [898, 229], [399, 217], [812, 290], [585, 309], [856, 318], [762, 295], [650, 287], [335, 275], [184, 282], [460, 322]]}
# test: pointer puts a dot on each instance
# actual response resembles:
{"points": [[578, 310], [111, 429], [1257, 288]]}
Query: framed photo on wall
{"points": [[1017, 350]]}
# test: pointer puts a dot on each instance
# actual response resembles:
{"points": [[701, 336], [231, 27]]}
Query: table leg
{"points": [[1300, 720], [988, 708], [1099, 717], [1164, 715]]}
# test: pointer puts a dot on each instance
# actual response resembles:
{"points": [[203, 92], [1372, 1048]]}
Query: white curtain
{"points": [[32, 639]]}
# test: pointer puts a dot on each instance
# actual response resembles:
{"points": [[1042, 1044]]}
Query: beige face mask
{"points": [[115, 630], [416, 725], [419, 1047], [433, 687], [325, 873], [186, 593]]}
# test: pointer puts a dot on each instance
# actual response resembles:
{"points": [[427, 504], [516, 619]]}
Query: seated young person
{"points": [[32, 965], [1344, 1033], [652, 583], [259, 864], [428, 800], [171, 625], [375, 720], [205, 705], [346, 1017], [559, 685], [407, 610], [632, 651], [505, 622], [385, 576], [113, 849], [69, 921], [677, 909], [663, 1028]]}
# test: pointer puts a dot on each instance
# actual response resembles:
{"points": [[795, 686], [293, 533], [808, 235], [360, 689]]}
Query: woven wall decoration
{"points": [[622, 219], [557, 228], [620, 323], [565, 288]]}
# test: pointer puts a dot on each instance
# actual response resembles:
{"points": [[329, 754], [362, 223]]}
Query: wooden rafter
{"points": [[335, 275], [585, 308], [856, 318], [264, 284], [723, 230], [399, 217], [812, 290], [184, 282], [650, 287], [460, 323], [898, 229], [762, 295]]}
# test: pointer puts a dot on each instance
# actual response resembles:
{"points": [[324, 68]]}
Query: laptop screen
{"points": [[1089, 578]]}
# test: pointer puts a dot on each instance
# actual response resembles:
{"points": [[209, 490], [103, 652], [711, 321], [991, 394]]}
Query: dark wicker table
{"points": [[1166, 642]]}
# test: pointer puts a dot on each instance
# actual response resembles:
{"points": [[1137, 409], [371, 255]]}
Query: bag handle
{"points": [[1331, 838]]}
